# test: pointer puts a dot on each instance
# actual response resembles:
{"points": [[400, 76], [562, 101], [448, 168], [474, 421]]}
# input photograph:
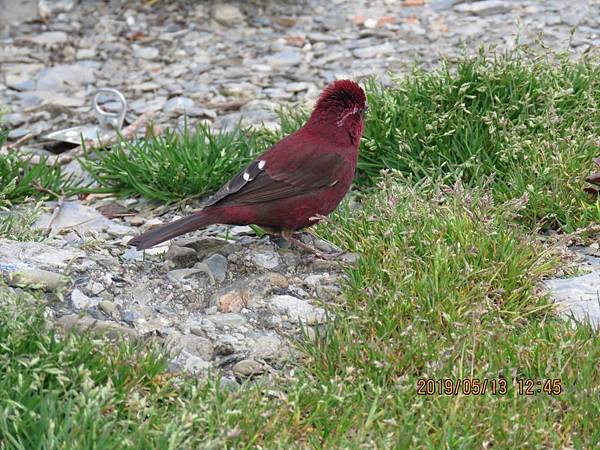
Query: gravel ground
{"points": [[220, 61]]}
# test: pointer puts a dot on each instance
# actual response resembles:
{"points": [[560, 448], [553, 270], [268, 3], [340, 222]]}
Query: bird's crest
{"points": [[343, 94]]}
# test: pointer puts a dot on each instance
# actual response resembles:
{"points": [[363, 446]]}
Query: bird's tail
{"points": [[165, 232]]}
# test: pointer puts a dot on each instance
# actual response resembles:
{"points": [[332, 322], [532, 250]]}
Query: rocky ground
{"points": [[221, 303], [220, 61]]}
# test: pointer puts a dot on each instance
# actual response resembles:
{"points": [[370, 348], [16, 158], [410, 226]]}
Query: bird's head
{"points": [[341, 109]]}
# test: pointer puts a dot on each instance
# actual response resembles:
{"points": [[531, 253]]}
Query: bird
{"points": [[292, 185]]}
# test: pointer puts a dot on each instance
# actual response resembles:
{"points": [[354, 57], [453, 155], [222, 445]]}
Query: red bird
{"points": [[302, 177]]}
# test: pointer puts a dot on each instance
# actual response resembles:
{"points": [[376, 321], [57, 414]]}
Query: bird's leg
{"points": [[288, 235], [338, 251]]}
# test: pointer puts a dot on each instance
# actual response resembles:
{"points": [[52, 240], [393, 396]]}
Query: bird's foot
{"points": [[327, 256], [289, 236]]}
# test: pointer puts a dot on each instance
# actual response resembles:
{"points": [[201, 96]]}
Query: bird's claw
{"points": [[313, 256]]}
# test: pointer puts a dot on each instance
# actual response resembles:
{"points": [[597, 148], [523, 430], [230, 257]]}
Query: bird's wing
{"points": [[276, 175]]}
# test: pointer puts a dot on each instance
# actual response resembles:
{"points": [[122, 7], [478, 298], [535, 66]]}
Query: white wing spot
{"points": [[246, 176], [261, 164], [334, 183]]}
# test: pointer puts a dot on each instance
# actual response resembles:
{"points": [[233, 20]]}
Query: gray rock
{"points": [[95, 287], [572, 18], [81, 301], [20, 84], [17, 133], [179, 275], [109, 308], [197, 366], [56, 103], [266, 260], [145, 52], [322, 244], [351, 258], [105, 328], [266, 347], [36, 279], [178, 106], [49, 8], [298, 87], [314, 279], [241, 230], [63, 76], [578, 296], [286, 58], [148, 105], [198, 346], [247, 368], [141, 293], [50, 38], [439, 5], [297, 310], [229, 384], [227, 320], [28, 255], [373, 51], [74, 216], [204, 246], [217, 265], [227, 14], [16, 12], [130, 316], [85, 53], [483, 8], [181, 256], [473, 30], [15, 119]]}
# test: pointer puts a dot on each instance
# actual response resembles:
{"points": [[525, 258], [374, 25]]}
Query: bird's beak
{"points": [[364, 111]]}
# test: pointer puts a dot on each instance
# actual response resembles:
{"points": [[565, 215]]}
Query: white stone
{"points": [[268, 260], [227, 14], [578, 296], [82, 301], [74, 216], [483, 8], [50, 38], [296, 309]]}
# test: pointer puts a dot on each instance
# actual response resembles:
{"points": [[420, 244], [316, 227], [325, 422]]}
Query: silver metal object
{"points": [[108, 121]]}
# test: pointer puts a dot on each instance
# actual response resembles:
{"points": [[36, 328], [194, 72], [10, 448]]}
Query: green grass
{"points": [[528, 123], [175, 165], [446, 288], [20, 180], [16, 223]]}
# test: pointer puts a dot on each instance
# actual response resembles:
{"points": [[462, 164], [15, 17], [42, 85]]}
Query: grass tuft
{"points": [[20, 179], [529, 123], [175, 165]]}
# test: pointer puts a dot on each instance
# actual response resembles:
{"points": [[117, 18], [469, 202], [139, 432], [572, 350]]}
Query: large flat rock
{"points": [[578, 296], [28, 255], [82, 218]]}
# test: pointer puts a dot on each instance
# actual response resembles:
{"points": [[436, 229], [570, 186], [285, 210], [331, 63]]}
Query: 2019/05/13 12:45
{"points": [[481, 386]]}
